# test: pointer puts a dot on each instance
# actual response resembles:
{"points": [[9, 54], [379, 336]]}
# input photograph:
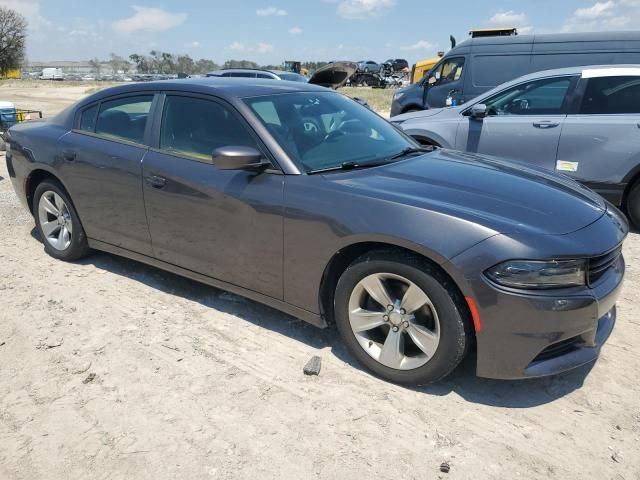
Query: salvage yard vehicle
{"points": [[482, 63], [579, 121], [369, 66], [415, 254]]}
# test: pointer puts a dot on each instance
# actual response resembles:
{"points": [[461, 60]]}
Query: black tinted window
{"points": [[541, 97], [196, 127], [124, 118], [610, 95], [88, 119]]}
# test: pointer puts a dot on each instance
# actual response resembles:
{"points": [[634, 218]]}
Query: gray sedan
{"points": [[581, 121], [297, 197]]}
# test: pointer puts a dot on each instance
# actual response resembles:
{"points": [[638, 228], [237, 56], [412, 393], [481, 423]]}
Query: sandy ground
{"points": [[111, 369]]}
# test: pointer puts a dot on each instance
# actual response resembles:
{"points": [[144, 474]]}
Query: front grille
{"points": [[558, 349], [599, 265]]}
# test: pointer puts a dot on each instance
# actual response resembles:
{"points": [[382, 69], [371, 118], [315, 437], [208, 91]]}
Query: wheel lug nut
{"points": [[385, 318], [390, 308], [395, 329], [405, 324], [403, 311]]}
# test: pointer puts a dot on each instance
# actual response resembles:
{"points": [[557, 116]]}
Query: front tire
{"points": [[401, 317], [58, 222], [633, 205]]}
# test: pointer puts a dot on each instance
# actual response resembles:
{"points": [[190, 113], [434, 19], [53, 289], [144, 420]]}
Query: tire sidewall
{"points": [[633, 205], [454, 330], [78, 246]]}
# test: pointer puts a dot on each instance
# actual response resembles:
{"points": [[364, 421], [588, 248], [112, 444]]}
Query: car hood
{"points": [[503, 196], [334, 75]]}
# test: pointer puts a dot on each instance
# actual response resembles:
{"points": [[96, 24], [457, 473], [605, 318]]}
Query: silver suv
{"points": [[583, 122]]}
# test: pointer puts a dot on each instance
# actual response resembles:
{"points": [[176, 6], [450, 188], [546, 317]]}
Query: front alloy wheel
{"points": [[402, 317], [394, 321]]}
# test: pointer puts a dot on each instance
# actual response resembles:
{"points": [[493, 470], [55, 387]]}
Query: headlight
{"points": [[398, 95], [534, 274]]}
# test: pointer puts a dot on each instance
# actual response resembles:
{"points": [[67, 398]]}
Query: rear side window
{"points": [[124, 118], [493, 70], [611, 95], [195, 127], [88, 119]]}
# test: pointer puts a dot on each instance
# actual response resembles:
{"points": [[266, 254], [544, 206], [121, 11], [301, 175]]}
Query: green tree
{"points": [[13, 28]]}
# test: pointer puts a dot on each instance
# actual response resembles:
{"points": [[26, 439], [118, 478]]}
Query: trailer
{"points": [[10, 115]]}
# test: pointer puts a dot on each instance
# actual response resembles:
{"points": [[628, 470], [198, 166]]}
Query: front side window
{"points": [[124, 118], [448, 71], [323, 130], [611, 95], [541, 97], [195, 127]]}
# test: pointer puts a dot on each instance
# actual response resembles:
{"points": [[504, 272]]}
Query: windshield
{"points": [[322, 130]]}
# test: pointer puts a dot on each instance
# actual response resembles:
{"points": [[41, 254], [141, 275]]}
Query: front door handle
{"points": [[156, 181], [545, 124], [69, 155]]}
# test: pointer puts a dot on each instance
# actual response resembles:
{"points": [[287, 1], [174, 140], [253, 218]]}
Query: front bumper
{"points": [[527, 334]]}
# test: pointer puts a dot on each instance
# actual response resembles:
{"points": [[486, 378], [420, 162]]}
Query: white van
{"points": [[52, 74]]}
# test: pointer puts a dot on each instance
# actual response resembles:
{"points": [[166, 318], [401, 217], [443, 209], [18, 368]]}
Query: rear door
{"points": [[522, 123], [600, 142], [226, 224], [101, 166]]}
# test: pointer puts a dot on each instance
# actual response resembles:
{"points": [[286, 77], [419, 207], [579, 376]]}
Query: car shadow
{"points": [[463, 381]]}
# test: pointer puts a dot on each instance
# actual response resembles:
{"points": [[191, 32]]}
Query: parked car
{"points": [[568, 120], [305, 200], [482, 63], [258, 73], [395, 65], [369, 66]]}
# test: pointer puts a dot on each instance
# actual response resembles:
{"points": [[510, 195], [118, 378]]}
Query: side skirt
{"points": [[309, 317]]}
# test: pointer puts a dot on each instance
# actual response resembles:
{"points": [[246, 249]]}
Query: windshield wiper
{"points": [[349, 166], [412, 150]]}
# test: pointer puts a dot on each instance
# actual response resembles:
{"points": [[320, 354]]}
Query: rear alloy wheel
{"points": [[633, 205], [58, 223], [401, 318]]}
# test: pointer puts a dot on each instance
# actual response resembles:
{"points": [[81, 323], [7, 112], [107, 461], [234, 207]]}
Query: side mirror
{"points": [[478, 111], [238, 158]]}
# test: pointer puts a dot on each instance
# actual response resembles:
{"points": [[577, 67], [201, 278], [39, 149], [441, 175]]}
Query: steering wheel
{"points": [[334, 134]]}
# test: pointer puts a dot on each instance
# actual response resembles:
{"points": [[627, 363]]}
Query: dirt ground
{"points": [[111, 369]]}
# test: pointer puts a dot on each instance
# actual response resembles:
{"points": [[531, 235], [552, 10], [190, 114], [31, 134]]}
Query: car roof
{"points": [[587, 71], [220, 86], [551, 38]]}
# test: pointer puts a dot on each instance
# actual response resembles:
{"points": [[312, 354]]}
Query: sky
{"points": [[270, 31]]}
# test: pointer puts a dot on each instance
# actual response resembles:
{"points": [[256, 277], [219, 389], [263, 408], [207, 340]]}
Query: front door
{"points": [[522, 123], [104, 175], [443, 87], [226, 224]]}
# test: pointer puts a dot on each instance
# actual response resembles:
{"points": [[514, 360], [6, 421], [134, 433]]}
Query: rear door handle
{"points": [[156, 182], [69, 155], [545, 124]]}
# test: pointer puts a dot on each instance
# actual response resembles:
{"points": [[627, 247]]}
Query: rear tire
{"points": [[633, 205], [442, 321], [58, 222]]}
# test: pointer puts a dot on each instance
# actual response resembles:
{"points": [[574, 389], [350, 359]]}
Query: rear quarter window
{"points": [[88, 119]]}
